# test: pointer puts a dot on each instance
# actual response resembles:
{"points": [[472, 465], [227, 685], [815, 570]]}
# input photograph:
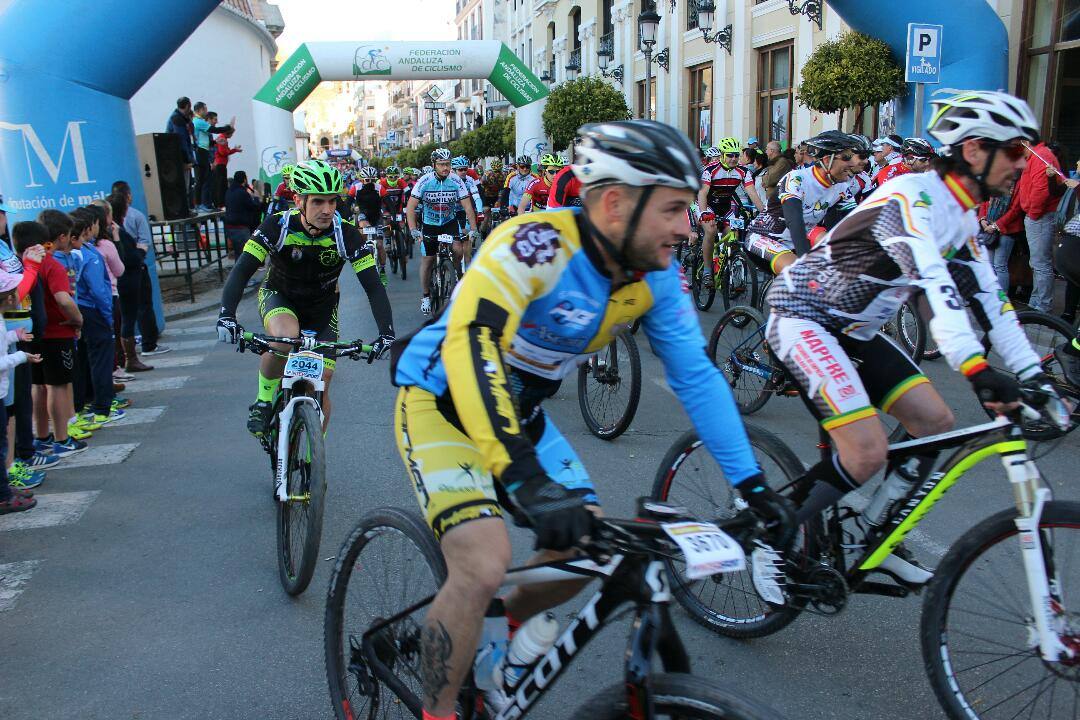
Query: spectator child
{"points": [[53, 398], [221, 165], [11, 499]]}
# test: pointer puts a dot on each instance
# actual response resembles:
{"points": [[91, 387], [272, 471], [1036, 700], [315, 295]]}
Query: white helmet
{"points": [[982, 114], [369, 172], [640, 153], [712, 152]]}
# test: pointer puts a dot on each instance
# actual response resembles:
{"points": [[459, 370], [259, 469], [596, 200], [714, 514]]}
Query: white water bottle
{"points": [[532, 640]]}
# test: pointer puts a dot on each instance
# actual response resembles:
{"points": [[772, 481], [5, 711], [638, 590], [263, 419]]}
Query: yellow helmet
{"points": [[729, 146]]}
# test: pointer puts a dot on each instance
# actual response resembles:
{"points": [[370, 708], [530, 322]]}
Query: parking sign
{"points": [[923, 62]]}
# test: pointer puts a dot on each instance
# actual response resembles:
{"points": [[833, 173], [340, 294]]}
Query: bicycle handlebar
{"points": [[259, 343]]}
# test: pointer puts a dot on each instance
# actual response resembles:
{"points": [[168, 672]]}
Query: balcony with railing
{"points": [[574, 58], [607, 42]]}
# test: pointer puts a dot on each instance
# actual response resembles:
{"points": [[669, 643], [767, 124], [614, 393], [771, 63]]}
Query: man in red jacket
{"points": [[1036, 199]]}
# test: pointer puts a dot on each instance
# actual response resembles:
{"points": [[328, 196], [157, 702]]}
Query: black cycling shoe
{"points": [[259, 416], [1070, 362]]}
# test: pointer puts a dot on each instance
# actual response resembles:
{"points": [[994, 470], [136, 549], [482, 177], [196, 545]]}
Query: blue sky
{"points": [[311, 20]]}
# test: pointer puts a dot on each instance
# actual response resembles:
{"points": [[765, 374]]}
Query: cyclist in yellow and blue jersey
{"points": [[306, 249], [545, 291]]}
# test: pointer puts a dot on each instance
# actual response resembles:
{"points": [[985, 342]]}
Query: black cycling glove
{"points": [[228, 330], [558, 517], [995, 386], [778, 512], [380, 347]]}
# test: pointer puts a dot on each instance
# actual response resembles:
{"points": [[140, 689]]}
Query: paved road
{"points": [[145, 584]]}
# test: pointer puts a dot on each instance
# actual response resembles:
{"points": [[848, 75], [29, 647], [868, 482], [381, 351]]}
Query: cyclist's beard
{"points": [[642, 255]]}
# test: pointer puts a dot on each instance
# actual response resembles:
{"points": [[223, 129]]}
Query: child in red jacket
{"points": [[222, 151]]}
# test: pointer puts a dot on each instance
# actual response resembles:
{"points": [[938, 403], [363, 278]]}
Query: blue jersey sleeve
{"points": [[672, 327]]}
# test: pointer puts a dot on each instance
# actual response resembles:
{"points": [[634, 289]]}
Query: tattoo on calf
{"points": [[436, 648]]}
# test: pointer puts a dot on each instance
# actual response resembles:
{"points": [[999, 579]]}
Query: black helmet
{"points": [[636, 152], [917, 147], [831, 142], [863, 145]]}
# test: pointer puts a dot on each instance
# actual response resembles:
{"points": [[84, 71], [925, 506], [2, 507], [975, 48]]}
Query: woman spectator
{"points": [[108, 244], [129, 284], [242, 211], [999, 235]]}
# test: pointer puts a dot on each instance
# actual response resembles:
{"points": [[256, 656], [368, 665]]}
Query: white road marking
{"points": [[205, 320], [168, 383], [206, 330], [52, 509], [13, 579], [183, 345], [662, 384], [169, 361], [96, 455], [138, 416]]}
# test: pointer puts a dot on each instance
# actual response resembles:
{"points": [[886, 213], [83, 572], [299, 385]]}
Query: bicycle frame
{"points": [[644, 583], [1004, 439]]}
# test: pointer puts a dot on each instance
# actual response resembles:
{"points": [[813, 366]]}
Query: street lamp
{"points": [[572, 68], [468, 113], [706, 9], [603, 57], [648, 26], [545, 77]]}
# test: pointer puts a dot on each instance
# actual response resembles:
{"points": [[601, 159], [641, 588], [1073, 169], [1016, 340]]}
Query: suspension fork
{"points": [[1044, 587]]}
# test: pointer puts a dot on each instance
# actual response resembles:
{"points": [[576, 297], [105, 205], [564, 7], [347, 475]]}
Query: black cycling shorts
{"points": [[57, 366], [430, 245], [318, 314]]}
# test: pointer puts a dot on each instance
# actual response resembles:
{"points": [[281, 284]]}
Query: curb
{"points": [[199, 309]]}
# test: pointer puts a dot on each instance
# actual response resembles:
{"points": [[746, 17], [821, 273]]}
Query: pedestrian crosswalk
{"points": [[109, 446]]}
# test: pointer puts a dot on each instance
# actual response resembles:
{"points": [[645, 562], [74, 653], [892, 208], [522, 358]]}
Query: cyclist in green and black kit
{"points": [[307, 248]]}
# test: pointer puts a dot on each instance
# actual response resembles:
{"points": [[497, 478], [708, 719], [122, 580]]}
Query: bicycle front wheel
{"points": [[299, 520], [609, 388], [738, 280], [689, 477], [402, 251], [978, 634], [678, 695], [389, 563]]}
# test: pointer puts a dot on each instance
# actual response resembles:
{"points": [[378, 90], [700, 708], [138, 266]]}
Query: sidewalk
{"points": [[177, 303]]}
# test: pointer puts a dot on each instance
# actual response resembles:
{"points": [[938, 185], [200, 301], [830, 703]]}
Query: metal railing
{"points": [[184, 247], [574, 57]]}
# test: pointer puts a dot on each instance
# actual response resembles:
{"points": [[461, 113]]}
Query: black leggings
{"points": [[130, 297]]}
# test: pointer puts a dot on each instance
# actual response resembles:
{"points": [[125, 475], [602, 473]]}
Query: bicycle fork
{"points": [[281, 469], [1047, 605]]}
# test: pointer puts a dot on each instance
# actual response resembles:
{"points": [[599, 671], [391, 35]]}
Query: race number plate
{"points": [[708, 549], [448, 239], [305, 364], [369, 230], [737, 223]]}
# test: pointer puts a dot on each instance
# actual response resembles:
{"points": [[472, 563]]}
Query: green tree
{"points": [[577, 102], [850, 71]]}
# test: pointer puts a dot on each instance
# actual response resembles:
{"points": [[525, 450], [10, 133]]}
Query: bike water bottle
{"points": [[491, 650], [532, 640], [897, 485]]}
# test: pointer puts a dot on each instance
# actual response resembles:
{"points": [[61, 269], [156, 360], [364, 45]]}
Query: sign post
{"points": [[923, 63]]}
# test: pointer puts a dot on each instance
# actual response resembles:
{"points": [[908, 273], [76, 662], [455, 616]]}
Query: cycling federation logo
{"points": [[370, 60], [535, 243]]}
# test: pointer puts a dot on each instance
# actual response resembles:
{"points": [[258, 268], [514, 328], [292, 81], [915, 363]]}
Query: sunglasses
{"points": [[846, 158], [734, 155], [552, 171], [1012, 150]]}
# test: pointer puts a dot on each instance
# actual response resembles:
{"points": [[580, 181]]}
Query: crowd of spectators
{"points": [[204, 149], [74, 288]]}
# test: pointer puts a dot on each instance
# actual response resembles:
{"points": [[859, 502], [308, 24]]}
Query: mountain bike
{"points": [[373, 662], [737, 345], [296, 447], [998, 631], [609, 387], [443, 274], [394, 238], [732, 269]]}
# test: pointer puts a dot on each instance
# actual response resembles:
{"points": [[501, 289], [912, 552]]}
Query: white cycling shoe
{"points": [[902, 566], [425, 305]]}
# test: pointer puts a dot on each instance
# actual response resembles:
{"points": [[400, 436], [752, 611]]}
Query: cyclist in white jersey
{"points": [[460, 167], [439, 191], [918, 232], [516, 184], [803, 198]]}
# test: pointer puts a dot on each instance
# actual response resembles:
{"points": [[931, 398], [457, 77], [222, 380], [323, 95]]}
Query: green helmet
{"points": [[392, 171], [287, 170], [551, 160], [729, 145], [317, 177]]}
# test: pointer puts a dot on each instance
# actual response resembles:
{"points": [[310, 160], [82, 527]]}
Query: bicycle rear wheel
{"points": [[688, 476], [978, 639], [392, 252], [738, 280], [737, 347], [909, 330], [389, 562], [609, 388], [678, 695], [299, 521]]}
